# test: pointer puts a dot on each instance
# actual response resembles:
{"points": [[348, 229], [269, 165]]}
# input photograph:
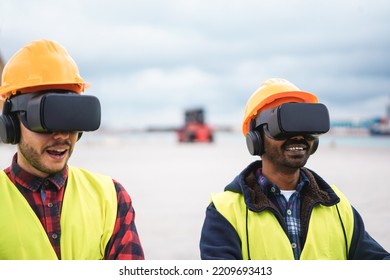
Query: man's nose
{"points": [[298, 137], [61, 134]]}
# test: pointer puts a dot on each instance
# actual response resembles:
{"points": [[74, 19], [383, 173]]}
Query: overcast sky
{"points": [[148, 60]]}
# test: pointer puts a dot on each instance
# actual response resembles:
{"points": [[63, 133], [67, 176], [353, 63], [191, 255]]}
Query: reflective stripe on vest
{"points": [[87, 220], [267, 240]]}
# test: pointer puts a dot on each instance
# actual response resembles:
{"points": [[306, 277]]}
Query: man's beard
{"points": [[34, 158], [278, 156]]}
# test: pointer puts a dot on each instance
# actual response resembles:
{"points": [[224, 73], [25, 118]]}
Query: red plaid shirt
{"points": [[45, 197]]}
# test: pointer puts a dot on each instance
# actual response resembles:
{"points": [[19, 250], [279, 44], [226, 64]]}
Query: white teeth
{"points": [[295, 149], [58, 151]]}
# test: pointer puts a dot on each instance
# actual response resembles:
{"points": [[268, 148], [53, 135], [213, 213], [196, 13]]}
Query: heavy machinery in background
{"points": [[381, 126], [195, 129]]}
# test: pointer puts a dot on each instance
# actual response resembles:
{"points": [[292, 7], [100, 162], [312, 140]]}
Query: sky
{"points": [[147, 61]]}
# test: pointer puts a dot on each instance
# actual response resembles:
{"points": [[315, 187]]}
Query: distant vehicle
{"points": [[382, 127], [195, 128]]}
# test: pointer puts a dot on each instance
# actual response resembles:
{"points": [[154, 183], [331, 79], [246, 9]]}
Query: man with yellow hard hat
{"points": [[276, 209], [48, 209]]}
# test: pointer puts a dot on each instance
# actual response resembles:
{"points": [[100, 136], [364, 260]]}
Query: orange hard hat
{"points": [[41, 65], [273, 93]]}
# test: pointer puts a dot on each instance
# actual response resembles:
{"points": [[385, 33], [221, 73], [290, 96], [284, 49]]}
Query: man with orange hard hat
{"points": [[277, 209], [48, 209]]}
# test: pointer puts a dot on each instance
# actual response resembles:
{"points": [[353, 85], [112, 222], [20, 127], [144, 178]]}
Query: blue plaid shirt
{"points": [[290, 209]]}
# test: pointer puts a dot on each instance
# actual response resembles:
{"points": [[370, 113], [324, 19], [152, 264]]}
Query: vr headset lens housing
{"points": [[51, 112], [292, 119]]}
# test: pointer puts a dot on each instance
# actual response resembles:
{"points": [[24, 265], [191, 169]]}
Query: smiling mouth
{"points": [[295, 149], [57, 152]]}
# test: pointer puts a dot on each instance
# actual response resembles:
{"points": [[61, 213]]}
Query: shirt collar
{"points": [[268, 187], [32, 182]]}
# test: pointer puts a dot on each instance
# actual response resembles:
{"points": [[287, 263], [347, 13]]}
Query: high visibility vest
{"points": [[329, 235], [87, 220]]}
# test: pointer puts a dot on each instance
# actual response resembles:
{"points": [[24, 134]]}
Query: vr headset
{"points": [[50, 112], [292, 119]]}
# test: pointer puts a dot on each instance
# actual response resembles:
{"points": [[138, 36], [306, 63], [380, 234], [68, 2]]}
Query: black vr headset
{"points": [[288, 120], [49, 112]]}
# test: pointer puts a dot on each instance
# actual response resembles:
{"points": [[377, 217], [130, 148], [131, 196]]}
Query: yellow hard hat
{"points": [[41, 65], [273, 93]]}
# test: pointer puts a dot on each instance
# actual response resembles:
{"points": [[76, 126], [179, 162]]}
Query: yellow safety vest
{"points": [[87, 220], [268, 241]]}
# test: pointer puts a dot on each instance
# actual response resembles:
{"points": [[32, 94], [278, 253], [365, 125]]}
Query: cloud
{"points": [[148, 60]]}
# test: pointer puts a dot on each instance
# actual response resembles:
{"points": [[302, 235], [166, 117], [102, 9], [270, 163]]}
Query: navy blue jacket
{"points": [[220, 241]]}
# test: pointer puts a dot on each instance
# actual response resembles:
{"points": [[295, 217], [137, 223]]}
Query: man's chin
{"points": [[297, 162], [51, 170]]}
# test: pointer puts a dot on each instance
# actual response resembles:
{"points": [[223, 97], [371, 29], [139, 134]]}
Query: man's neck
{"points": [[286, 179]]}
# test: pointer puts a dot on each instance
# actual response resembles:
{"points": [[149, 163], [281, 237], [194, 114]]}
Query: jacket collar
{"points": [[317, 192]]}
